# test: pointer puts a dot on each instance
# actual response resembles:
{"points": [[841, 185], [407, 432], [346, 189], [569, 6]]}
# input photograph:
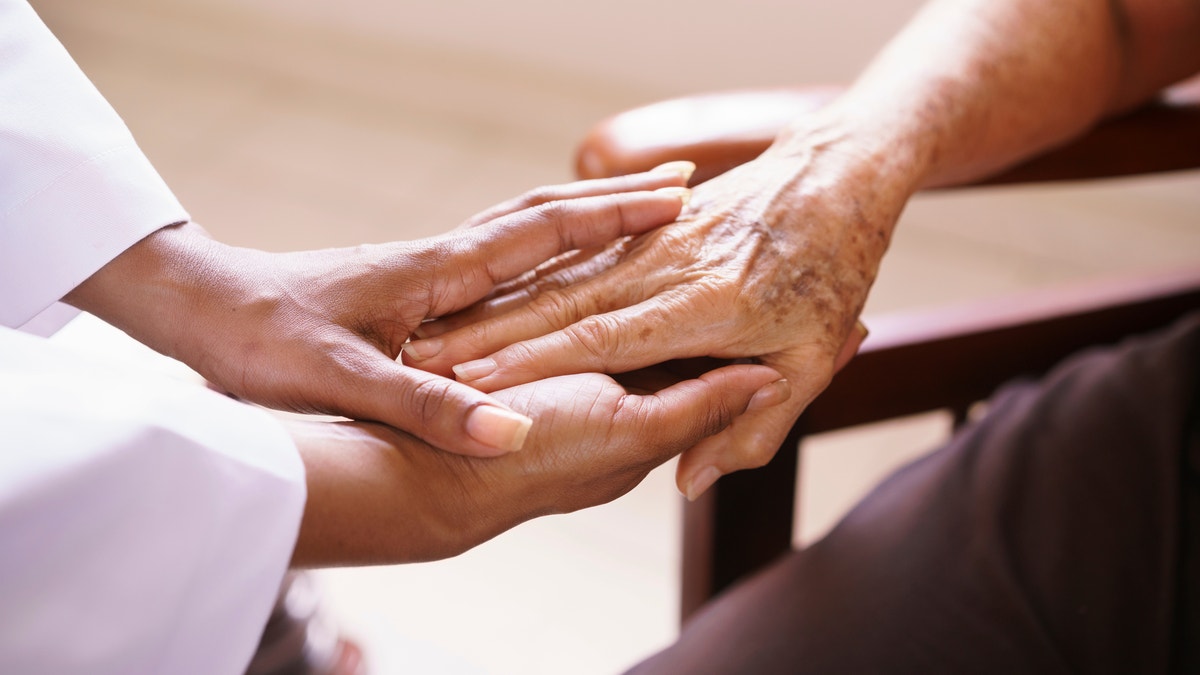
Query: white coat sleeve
{"points": [[145, 523], [75, 190]]}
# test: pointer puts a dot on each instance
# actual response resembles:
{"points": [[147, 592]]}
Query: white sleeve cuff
{"points": [[75, 190], [59, 237]]}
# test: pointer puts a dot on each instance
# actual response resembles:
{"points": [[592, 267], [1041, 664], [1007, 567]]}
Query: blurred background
{"points": [[289, 124]]}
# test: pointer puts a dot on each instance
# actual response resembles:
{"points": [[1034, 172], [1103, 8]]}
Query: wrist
{"points": [[852, 144], [155, 290], [379, 496]]}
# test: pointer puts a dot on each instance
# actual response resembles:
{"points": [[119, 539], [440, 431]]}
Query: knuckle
{"points": [[555, 307], [674, 239], [536, 289], [479, 333], [717, 416], [519, 356], [597, 336], [587, 221], [757, 452], [551, 211], [605, 218], [557, 215], [538, 196], [619, 209], [429, 400]]}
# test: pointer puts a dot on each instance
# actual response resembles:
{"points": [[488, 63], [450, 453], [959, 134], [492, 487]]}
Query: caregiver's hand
{"points": [[319, 331], [772, 260], [379, 496]]}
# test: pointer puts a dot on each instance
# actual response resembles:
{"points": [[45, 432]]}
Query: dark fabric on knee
{"points": [[1058, 534]]}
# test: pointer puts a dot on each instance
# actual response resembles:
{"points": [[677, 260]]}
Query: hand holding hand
{"points": [[319, 331], [377, 496], [771, 261]]}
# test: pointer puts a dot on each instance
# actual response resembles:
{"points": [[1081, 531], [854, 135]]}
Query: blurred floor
{"points": [[288, 125]]}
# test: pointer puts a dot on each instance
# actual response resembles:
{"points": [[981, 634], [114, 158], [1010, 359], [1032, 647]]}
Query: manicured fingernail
{"points": [[422, 349], [683, 168], [498, 428], [770, 395], [862, 328], [473, 370], [681, 193], [700, 483]]}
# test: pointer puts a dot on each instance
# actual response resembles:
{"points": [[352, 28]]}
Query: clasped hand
{"points": [[771, 261], [320, 331]]}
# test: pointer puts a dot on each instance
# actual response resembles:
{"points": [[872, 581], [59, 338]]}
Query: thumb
{"points": [[849, 348], [750, 442], [438, 410], [753, 439], [484, 257], [689, 411]]}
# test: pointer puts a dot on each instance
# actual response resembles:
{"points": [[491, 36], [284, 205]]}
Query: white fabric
{"points": [[75, 190], [145, 522]]}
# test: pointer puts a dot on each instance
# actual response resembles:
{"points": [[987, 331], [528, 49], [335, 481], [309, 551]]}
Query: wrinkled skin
{"points": [[771, 261]]}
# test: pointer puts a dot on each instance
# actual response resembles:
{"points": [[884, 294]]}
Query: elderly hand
{"points": [[319, 331], [772, 261], [379, 496]]}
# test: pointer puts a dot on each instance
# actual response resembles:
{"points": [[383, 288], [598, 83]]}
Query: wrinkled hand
{"points": [[379, 496], [772, 261], [319, 331]]}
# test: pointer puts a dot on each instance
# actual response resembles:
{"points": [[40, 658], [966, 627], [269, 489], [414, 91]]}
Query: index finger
{"points": [[507, 247], [615, 341], [686, 412], [665, 175]]}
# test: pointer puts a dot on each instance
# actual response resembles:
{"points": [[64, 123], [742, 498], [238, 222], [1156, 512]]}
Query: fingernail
{"points": [[701, 482], [473, 370], [422, 349], [498, 428], [854, 341], [681, 193], [682, 167], [770, 395], [419, 332]]}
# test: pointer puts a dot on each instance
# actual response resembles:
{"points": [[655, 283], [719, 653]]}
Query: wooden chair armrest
{"points": [[717, 131], [721, 130], [916, 362], [952, 357]]}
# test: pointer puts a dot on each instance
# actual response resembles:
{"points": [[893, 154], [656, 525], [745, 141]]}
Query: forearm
{"points": [[970, 87], [377, 496]]}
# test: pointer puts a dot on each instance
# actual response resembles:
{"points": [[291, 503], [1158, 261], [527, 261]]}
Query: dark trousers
{"points": [[1059, 534]]}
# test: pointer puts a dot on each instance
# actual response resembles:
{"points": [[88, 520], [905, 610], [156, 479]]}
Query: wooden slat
{"points": [[952, 357], [914, 363], [720, 544], [721, 130]]}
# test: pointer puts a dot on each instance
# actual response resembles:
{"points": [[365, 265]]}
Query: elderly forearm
{"points": [[972, 86]]}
